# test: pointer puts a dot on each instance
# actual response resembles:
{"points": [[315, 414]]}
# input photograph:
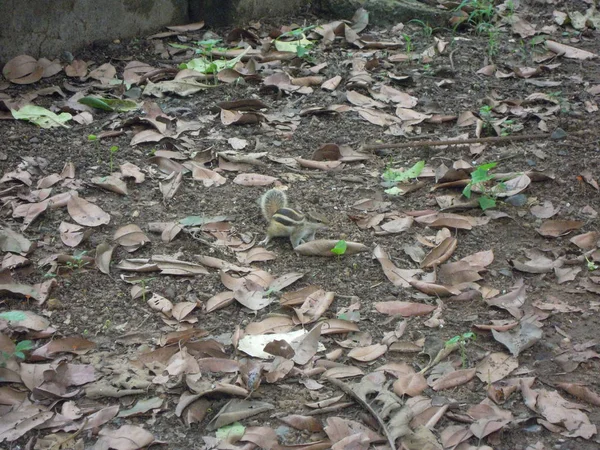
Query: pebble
{"points": [[517, 200]]}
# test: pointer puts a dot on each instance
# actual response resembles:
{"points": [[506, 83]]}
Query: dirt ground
{"points": [[99, 307]]}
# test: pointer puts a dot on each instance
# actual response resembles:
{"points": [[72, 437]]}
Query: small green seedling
{"points": [[427, 29], [591, 265], [479, 177], [21, 347], [77, 262], [397, 176], [340, 248], [113, 150], [461, 341], [408, 40], [485, 114], [92, 137]]}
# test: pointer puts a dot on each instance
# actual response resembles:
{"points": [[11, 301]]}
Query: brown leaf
{"points": [[453, 379], [405, 309], [254, 179], [369, 353], [322, 247], [556, 228], [131, 237], [440, 254], [307, 347], [410, 384], [111, 183], [23, 69], [525, 336], [86, 213], [587, 241], [581, 392], [71, 234]]}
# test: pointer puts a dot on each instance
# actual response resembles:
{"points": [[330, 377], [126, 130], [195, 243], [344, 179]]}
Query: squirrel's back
{"points": [[271, 202]]}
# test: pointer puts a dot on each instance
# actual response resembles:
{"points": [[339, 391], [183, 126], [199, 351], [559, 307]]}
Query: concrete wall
{"points": [[225, 12], [49, 27]]}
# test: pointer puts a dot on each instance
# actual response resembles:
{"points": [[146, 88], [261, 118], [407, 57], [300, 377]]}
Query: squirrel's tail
{"points": [[271, 202]]}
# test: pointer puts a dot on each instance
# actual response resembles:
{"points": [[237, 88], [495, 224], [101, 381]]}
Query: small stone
{"points": [[34, 140], [563, 152], [517, 200], [531, 163]]}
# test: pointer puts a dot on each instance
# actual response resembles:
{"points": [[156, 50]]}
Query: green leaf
{"points": [[24, 345], [397, 176], [203, 65], [92, 137], [13, 316], [340, 247], [292, 46], [19, 355], [486, 202], [480, 175], [394, 191], [41, 116], [235, 429], [467, 190]]}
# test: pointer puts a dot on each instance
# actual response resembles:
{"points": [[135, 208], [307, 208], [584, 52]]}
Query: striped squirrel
{"points": [[285, 221]]}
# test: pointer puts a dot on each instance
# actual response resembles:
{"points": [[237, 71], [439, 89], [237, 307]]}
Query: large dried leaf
{"points": [[86, 213], [556, 228], [524, 337], [405, 309]]}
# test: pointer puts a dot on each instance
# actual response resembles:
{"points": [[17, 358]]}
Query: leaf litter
{"points": [[442, 325]]}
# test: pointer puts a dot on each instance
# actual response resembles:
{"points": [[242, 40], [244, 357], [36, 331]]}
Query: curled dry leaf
{"points": [[86, 213], [23, 69], [369, 353], [405, 309], [111, 183], [160, 304], [411, 384], [434, 289], [496, 366], [170, 188], [399, 277], [322, 247], [131, 237], [321, 165], [13, 242], [129, 170], [208, 177], [440, 254], [71, 234], [556, 228], [587, 241], [524, 337], [254, 179], [221, 300]]}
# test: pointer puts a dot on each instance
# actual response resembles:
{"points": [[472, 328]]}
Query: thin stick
{"points": [[486, 140], [348, 391]]}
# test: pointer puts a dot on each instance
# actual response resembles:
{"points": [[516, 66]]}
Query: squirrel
{"points": [[285, 221]]}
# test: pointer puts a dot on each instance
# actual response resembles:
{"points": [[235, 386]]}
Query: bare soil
{"points": [[99, 307]]}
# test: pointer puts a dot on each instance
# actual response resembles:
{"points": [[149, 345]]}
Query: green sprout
{"points": [[591, 265], [408, 40], [21, 347], [77, 261], [92, 137], [462, 341], [340, 247], [427, 29], [479, 177], [113, 149]]}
